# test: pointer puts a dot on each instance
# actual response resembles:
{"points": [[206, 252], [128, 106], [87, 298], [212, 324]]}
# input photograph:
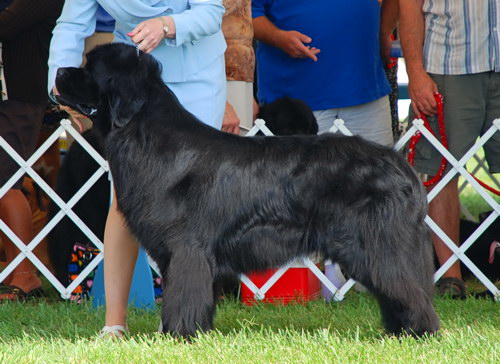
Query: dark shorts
{"points": [[20, 124], [471, 103]]}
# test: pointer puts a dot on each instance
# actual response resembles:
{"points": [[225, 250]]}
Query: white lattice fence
{"points": [[26, 167], [259, 293]]}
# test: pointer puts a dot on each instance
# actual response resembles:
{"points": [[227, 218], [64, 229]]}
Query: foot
{"points": [[21, 285], [113, 332], [16, 294], [451, 287]]}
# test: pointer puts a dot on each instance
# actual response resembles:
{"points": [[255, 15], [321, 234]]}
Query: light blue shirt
{"points": [[198, 43], [192, 63]]}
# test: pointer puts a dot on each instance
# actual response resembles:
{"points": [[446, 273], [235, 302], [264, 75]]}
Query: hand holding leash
{"points": [[422, 90], [151, 32], [442, 133]]}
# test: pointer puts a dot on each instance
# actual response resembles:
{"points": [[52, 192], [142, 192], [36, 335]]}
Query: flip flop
{"points": [[113, 332], [451, 287], [18, 294]]}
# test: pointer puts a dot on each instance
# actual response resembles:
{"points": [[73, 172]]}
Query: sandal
{"points": [[18, 294], [451, 287], [113, 332]]}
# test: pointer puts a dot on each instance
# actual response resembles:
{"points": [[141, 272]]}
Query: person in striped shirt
{"points": [[452, 47]]}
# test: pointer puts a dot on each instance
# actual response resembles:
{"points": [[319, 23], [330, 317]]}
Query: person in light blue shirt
{"points": [[186, 37], [191, 53]]}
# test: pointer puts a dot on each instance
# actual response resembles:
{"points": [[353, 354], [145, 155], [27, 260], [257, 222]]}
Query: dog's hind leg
{"points": [[399, 273], [188, 301]]}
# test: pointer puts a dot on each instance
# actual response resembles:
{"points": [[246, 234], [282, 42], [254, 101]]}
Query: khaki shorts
{"points": [[471, 103]]}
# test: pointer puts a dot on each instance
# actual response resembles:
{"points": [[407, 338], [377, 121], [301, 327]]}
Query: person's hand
{"points": [[231, 122], [422, 90], [293, 44], [148, 34], [75, 115]]}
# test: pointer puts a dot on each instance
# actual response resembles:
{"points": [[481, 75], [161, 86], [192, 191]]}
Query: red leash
{"points": [[415, 139]]}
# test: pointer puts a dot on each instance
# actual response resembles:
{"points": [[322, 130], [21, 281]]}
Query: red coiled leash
{"points": [[415, 139]]}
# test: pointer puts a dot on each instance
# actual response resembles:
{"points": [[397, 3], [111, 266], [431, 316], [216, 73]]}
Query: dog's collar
{"points": [[86, 110]]}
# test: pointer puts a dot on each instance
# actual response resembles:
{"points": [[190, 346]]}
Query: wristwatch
{"points": [[165, 26]]}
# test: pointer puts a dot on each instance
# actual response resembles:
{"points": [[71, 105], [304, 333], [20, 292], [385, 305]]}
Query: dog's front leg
{"points": [[188, 302]]}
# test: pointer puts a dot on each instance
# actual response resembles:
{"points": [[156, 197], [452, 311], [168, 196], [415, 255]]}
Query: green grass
{"points": [[50, 331], [318, 332], [473, 202]]}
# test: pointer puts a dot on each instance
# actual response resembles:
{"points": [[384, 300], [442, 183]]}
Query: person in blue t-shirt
{"points": [[325, 53]]}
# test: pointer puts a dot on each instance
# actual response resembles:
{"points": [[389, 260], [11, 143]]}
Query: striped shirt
{"points": [[462, 36]]}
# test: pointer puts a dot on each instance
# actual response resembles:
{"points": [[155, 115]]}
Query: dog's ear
{"points": [[129, 87], [125, 99], [125, 81], [124, 105]]}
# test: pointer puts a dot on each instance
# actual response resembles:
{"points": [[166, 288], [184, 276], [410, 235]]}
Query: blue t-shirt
{"points": [[349, 69], [104, 22]]}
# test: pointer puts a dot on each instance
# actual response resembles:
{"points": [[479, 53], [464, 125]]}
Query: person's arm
{"points": [[291, 42], [202, 19], [231, 121], [388, 23], [76, 23], [22, 14], [421, 87]]}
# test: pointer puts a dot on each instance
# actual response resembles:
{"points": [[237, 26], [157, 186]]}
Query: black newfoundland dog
{"points": [[207, 205]]}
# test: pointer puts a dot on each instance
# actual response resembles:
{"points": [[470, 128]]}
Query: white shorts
{"points": [[371, 121]]}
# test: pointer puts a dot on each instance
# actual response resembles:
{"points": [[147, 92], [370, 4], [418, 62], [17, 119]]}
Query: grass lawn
{"points": [[48, 331]]}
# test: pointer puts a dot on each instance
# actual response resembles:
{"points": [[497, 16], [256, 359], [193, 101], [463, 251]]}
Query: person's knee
{"points": [[11, 197], [450, 188]]}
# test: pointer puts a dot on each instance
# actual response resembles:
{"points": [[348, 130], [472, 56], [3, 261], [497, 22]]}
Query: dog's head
{"points": [[289, 116], [113, 85]]}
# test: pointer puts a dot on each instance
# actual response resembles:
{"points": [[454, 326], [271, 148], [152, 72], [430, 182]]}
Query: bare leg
{"points": [[120, 255], [15, 211], [444, 209]]}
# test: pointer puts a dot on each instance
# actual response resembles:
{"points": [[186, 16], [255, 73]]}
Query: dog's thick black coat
{"points": [[207, 204]]}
